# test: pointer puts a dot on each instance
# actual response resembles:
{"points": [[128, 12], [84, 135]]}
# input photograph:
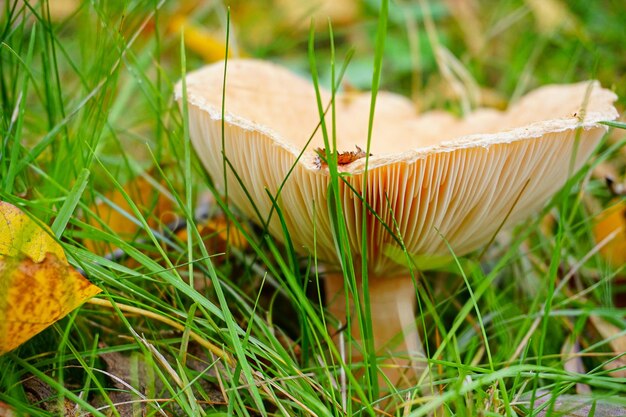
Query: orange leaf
{"points": [[152, 204], [6, 410], [218, 234], [37, 285], [199, 40], [611, 224]]}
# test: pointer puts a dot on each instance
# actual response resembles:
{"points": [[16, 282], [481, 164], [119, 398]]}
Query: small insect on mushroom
{"points": [[412, 186], [343, 158]]}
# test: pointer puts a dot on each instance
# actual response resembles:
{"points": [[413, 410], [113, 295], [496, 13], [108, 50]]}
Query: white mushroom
{"points": [[438, 180]]}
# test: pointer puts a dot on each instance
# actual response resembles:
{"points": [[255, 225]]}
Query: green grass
{"points": [[87, 105]]}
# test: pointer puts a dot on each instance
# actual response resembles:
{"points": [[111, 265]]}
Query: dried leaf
{"points": [[134, 377], [45, 397], [573, 362], [343, 158], [199, 40], [611, 223], [301, 14], [153, 205], [6, 410], [37, 285], [618, 344], [218, 234], [552, 15]]}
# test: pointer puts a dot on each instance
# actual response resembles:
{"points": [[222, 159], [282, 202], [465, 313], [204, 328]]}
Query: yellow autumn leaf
{"points": [[199, 40], [611, 224], [37, 285], [20, 235]]}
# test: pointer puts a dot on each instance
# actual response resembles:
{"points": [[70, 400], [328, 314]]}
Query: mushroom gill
{"points": [[442, 182]]}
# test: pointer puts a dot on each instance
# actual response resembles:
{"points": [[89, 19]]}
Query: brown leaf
{"points": [[572, 362], [133, 377], [43, 396], [218, 234], [343, 158], [618, 345], [128, 373], [6, 410]]}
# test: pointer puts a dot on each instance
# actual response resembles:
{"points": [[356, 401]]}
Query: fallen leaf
{"points": [[201, 41], [301, 14], [135, 379], [116, 213], [218, 234], [552, 15], [6, 410], [22, 236], [612, 222], [617, 342], [45, 397], [573, 362], [37, 285], [131, 376]]}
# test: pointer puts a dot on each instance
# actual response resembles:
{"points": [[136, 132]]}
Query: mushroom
{"points": [[444, 183]]}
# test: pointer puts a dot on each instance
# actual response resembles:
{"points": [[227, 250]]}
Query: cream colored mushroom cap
{"points": [[434, 179]]}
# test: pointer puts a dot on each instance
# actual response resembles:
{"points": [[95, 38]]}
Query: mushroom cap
{"points": [[435, 179]]}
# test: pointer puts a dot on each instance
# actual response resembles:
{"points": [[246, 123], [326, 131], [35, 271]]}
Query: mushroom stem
{"points": [[396, 339]]}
